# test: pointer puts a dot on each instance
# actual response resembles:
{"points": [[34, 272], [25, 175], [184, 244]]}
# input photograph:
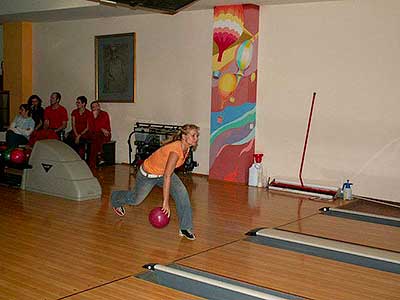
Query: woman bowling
{"points": [[158, 169]]}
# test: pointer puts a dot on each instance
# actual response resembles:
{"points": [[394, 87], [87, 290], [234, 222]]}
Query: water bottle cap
{"points": [[347, 184], [258, 157]]}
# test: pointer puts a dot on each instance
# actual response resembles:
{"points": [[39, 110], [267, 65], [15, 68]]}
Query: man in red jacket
{"points": [[55, 115], [100, 133]]}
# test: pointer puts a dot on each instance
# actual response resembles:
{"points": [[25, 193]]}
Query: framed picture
{"points": [[115, 67]]}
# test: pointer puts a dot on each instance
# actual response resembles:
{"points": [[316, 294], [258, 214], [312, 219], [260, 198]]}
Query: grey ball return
{"points": [[58, 170]]}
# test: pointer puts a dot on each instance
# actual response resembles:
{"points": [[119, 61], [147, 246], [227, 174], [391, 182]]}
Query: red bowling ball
{"points": [[27, 153], [17, 156], [157, 218]]}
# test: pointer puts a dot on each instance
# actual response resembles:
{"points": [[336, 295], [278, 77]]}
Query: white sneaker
{"points": [[120, 211], [187, 234]]}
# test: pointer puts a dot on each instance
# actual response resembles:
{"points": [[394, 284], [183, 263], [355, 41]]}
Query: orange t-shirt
{"points": [[156, 163]]}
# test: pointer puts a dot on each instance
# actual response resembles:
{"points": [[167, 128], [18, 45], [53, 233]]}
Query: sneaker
{"points": [[187, 234], [120, 211], [100, 160]]}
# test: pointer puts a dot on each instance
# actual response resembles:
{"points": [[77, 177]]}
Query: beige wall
{"points": [[346, 51], [173, 70]]}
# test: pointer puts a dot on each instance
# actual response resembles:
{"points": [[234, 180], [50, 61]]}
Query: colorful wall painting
{"points": [[234, 90]]}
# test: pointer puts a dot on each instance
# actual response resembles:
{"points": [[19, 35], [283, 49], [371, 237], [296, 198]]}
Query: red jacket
{"points": [[102, 121]]}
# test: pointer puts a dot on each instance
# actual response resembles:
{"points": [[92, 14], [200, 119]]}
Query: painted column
{"points": [[234, 87], [17, 39]]}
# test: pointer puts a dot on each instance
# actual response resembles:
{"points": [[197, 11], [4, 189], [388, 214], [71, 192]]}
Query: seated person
{"points": [[80, 126], [100, 133], [21, 128], [37, 111], [42, 134], [56, 116]]}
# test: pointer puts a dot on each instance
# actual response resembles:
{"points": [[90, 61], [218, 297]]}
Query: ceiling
{"points": [[62, 10]]}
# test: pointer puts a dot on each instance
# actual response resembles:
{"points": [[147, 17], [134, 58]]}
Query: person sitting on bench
{"points": [[21, 128], [56, 116], [37, 111], [100, 133], [79, 134]]}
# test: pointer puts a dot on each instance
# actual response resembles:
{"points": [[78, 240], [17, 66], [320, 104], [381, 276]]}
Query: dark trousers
{"points": [[82, 147], [13, 139], [97, 140]]}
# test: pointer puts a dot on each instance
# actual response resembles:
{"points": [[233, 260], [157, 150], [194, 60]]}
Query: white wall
{"points": [[173, 70], [346, 51]]}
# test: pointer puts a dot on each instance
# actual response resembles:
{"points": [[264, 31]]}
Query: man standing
{"points": [[55, 115]]}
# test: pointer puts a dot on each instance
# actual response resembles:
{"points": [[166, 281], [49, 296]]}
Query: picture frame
{"points": [[115, 61]]}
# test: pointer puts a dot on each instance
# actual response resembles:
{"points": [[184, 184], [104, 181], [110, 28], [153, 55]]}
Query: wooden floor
{"points": [[295, 273], [52, 248]]}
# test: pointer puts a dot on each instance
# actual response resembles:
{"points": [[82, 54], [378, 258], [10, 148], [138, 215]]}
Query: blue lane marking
{"points": [[325, 253], [363, 218]]}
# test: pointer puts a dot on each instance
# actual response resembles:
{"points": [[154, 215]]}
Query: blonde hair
{"points": [[177, 136]]}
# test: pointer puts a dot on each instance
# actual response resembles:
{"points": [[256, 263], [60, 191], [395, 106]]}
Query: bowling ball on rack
{"points": [[3, 146], [7, 154], [17, 156], [157, 218], [27, 152]]}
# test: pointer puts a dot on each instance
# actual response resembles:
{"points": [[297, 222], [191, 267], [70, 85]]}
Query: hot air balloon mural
{"points": [[243, 56], [226, 86], [233, 92], [228, 26], [216, 74]]}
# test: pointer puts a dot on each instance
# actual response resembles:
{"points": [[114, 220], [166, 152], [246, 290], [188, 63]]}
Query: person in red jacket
{"points": [[79, 134], [100, 133], [55, 115]]}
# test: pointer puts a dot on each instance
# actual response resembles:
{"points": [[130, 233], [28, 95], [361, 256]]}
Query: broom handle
{"points": [[306, 140]]}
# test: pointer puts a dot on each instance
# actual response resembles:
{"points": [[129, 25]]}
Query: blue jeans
{"points": [[143, 188]]}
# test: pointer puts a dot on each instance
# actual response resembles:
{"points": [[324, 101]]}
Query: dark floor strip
{"points": [[361, 217], [325, 253], [209, 291]]}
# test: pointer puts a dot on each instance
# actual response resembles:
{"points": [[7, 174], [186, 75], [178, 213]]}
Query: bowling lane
{"points": [[347, 230], [295, 273], [132, 288], [390, 210]]}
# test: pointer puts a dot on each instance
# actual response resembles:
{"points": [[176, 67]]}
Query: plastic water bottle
{"points": [[253, 174], [347, 193], [256, 171]]}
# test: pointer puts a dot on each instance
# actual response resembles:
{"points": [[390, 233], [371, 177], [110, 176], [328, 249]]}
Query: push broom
{"points": [[309, 189]]}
